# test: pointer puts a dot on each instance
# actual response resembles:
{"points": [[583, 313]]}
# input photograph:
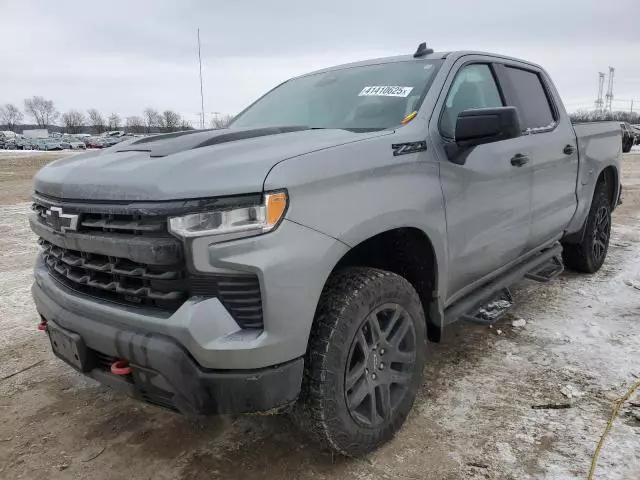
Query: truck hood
{"points": [[185, 164]]}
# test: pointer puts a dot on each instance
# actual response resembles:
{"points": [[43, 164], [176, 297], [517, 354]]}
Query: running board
{"points": [[468, 306], [548, 271], [493, 310]]}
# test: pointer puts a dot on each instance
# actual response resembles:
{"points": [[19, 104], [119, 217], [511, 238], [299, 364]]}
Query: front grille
{"points": [[162, 286], [119, 223], [152, 274]]}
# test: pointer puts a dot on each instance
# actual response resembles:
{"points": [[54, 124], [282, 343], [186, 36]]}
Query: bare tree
{"points": [[171, 121], [597, 116], [114, 121], [152, 119], [73, 120], [43, 111], [185, 125], [96, 120], [135, 124], [10, 116], [221, 121]]}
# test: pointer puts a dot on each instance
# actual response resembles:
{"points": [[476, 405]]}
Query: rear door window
{"points": [[535, 108]]}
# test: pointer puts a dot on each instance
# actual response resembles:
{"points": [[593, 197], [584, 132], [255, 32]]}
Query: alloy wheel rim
{"points": [[380, 365], [602, 230]]}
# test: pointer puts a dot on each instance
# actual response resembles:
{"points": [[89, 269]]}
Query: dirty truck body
{"points": [[302, 257]]}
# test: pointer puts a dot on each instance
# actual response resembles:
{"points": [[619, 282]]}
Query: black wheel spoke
{"points": [[374, 327], [395, 318], [354, 375], [399, 377], [360, 392], [399, 356], [400, 333], [363, 344], [373, 409], [383, 400]]}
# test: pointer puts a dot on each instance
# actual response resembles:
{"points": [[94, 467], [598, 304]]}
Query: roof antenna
{"points": [[422, 50]]}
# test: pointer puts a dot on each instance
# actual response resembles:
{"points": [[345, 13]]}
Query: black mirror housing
{"points": [[483, 125]]}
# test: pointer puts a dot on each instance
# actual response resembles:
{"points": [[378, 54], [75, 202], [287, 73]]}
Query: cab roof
{"points": [[408, 58]]}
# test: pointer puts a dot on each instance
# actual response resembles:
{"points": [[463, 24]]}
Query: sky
{"points": [[123, 56]]}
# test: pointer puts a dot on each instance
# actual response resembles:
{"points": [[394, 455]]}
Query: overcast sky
{"points": [[123, 55]]}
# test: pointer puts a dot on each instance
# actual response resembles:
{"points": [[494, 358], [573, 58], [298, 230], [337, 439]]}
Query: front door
{"points": [[488, 199]]}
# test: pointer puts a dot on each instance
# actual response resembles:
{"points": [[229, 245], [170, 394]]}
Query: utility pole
{"points": [[599, 101], [609, 95], [201, 91], [631, 111]]}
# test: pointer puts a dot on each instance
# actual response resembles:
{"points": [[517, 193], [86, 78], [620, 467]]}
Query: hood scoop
{"points": [[170, 143]]}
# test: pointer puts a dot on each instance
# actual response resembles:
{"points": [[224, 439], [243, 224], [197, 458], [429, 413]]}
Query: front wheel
{"points": [[589, 255], [364, 362]]}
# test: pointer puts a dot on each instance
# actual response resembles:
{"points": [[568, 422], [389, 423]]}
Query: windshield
{"points": [[373, 97]]}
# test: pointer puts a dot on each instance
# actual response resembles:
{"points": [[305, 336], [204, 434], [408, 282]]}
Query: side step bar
{"points": [[493, 310], [538, 266], [548, 271]]}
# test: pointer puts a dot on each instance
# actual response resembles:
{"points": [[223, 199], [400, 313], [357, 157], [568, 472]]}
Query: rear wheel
{"points": [[589, 255], [365, 360]]}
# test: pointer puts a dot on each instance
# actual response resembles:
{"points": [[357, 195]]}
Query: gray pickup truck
{"points": [[299, 260]]}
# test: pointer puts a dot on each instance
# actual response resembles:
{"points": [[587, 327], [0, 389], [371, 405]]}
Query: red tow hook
{"points": [[121, 367], [42, 326]]}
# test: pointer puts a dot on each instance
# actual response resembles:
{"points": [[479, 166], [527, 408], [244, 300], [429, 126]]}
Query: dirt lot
{"points": [[473, 418]]}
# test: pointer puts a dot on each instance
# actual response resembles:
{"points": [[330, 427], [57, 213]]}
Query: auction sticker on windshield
{"points": [[385, 91]]}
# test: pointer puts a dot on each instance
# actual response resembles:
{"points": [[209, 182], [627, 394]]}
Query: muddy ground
{"points": [[473, 418]]}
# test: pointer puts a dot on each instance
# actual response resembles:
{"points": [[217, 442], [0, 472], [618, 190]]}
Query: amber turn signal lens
{"points": [[276, 204], [409, 117]]}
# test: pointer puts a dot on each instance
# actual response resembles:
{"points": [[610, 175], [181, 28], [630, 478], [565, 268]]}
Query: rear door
{"points": [[549, 137], [488, 199]]}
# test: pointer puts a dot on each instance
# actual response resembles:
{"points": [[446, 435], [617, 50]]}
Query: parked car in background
{"points": [[94, 143], [65, 144], [77, 145], [628, 137], [110, 141], [51, 144]]}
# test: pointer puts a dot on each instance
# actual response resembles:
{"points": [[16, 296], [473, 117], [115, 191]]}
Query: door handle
{"points": [[519, 160], [569, 149]]}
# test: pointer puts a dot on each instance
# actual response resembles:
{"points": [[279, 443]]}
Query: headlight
{"points": [[232, 223]]}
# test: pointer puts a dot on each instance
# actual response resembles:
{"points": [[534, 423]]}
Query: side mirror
{"points": [[483, 125]]}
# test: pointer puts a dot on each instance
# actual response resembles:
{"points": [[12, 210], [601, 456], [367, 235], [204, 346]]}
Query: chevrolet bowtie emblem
{"points": [[61, 222]]}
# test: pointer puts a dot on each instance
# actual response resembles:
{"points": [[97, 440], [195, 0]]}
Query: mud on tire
{"points": [[364, 361]]}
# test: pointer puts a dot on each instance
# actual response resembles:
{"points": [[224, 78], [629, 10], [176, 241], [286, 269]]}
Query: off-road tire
{"points": [[345, 304], [580, 257]]}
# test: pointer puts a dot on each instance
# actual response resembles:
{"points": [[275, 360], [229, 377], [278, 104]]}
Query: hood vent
{"points": [[170, 143]]}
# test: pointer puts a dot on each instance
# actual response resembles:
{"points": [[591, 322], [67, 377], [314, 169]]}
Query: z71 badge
{"points": [[410, 147]]}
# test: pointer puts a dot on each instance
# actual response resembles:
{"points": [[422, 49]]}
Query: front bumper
{"points": [[164, 374], [292, 264]]}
